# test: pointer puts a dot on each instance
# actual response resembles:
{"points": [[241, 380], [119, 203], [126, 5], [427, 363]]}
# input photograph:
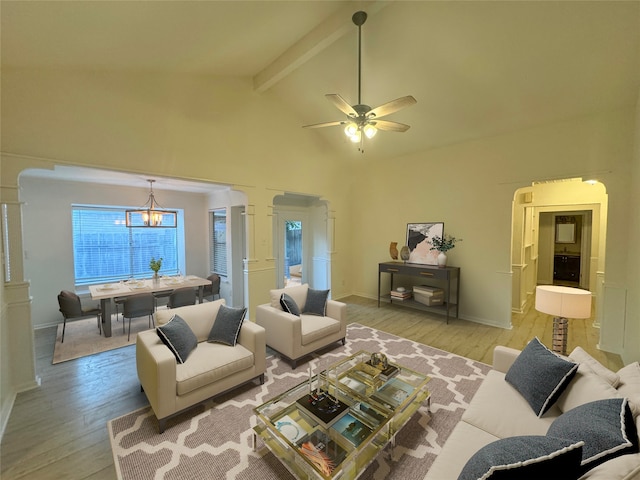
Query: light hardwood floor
{"points": [[59, 430]]}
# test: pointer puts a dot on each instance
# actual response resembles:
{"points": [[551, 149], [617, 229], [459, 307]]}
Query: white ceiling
{"points": [[477, 69]]}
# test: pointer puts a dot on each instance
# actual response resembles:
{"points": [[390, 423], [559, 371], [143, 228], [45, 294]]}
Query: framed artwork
{"points": [[419, 237]]}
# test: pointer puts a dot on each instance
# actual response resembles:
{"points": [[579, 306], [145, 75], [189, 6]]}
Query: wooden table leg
{"points": [[105, 306]]}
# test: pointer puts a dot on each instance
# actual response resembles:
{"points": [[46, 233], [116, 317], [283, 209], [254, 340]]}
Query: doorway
{"points": [[293, 253], [301, 246], [536, 212], [570, 243]]}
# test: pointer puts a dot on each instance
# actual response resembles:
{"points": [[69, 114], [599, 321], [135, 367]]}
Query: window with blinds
{"points": [[105, 250], [219, 242]]}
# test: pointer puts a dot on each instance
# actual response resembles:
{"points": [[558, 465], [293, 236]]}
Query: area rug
{"points": [[215, 440], [82, 338]]}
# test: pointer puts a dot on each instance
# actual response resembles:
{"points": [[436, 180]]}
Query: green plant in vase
{"points": [[443, 244], [155, 265]]}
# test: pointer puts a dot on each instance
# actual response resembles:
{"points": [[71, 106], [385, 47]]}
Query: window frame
{"points": [[218, 261], [108, 248]]}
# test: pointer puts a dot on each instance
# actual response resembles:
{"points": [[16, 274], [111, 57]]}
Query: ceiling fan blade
{"points": [[325, 124], [392, 107], [390, 126], [342, 104]]}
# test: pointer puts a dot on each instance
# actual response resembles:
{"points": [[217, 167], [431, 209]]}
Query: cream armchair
{"points": [[210, 369], [296, 336]]}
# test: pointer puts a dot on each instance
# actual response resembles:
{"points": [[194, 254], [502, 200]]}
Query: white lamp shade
{"points": [[564, 302]]}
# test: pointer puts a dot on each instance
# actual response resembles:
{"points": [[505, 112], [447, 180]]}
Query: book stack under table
{"points": [[400, 295], [334, 425]]}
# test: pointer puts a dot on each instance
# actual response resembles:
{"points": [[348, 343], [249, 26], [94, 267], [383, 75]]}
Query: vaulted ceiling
{"points": [[477, 68]]}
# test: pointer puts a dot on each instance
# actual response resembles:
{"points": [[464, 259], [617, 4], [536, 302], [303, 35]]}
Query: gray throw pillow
{"points": [[316, 303], [606, 427], [226, 327], [178, 336], [525, 458], [540, 376], [289, 305]]}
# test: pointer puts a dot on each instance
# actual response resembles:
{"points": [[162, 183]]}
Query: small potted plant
{"points": [[155, 265], [443, 244]]}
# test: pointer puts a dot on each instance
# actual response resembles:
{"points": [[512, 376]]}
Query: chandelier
{"points": [[149, 215]]}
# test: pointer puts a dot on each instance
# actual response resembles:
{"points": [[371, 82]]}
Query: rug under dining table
{"points": [[215, 440]]}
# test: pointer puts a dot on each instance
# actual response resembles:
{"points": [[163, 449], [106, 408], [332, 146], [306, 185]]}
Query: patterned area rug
{"points": [[217, 436], [81, 338]]}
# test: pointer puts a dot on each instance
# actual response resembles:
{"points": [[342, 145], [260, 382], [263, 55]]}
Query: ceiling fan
{"points": [[362, 119]]}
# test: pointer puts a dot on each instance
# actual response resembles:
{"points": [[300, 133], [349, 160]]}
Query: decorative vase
{"points": [[442, 259], [156, 278], [404, 253], [393, 250]]}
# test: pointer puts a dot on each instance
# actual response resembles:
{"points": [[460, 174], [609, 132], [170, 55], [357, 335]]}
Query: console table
{"points": [[447, 278]]}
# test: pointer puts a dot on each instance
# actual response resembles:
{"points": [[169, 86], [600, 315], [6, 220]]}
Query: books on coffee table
{"points": [[292, 429], [352, 429], [320, 450], [322, 408], [393, 393]]}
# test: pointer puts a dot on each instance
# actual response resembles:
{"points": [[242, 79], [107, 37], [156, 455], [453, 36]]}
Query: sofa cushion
{"points": [[316, 303], [525, 457], [209, 363], [177, 335], [487, 410], [298, 293], [579, 355], [463, 443], [200, 317], [630, 385], [540, 375], [315, 328], [586, 387], [607, 428], [227, 325], [288, 304]]}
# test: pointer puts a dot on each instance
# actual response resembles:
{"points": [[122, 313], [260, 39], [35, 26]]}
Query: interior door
{"points": [[291, 249]]}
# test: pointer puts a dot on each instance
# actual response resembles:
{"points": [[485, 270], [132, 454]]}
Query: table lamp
{"points": [[563, 303]]}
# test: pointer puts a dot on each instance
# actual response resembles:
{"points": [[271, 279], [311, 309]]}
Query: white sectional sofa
{"points": [[209, 369], [499, 411]]}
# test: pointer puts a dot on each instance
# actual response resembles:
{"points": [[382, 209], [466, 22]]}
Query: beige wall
{"points": [[470, 187], [632, 327], [221, 131]]}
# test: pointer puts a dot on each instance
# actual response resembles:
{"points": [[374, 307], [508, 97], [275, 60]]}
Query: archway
{"points": [[533, 235]]}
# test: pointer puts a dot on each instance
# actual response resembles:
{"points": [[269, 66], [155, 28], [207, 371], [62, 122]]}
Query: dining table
{"points": [[108, 291]]}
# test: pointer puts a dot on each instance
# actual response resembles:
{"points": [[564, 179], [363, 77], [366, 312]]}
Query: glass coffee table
{"points": [[338, 421]]}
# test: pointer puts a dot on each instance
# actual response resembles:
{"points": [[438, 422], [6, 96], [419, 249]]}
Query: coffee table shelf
{"points": [[342, 448]]}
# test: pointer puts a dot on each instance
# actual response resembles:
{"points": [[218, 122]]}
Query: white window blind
{"points": [[219, 242], [105, 250]]}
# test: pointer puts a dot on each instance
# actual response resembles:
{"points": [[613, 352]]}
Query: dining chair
{"points": [[213, 289], [118, 301], [71, 307], [138, 305], [181, 297], [161, 294]]}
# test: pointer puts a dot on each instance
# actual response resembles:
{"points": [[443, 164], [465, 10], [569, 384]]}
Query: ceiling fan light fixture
{"points": [[351, 129], [370, 130], [356, 137]]}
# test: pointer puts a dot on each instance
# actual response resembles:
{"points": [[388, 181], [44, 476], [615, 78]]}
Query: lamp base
{"points": [[560, 334]]}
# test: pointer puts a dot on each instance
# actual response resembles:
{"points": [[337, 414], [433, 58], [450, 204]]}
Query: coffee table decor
{"points": [[338, 421]]}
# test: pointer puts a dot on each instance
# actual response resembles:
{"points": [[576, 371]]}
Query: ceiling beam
{"points": [[313, 43]]}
